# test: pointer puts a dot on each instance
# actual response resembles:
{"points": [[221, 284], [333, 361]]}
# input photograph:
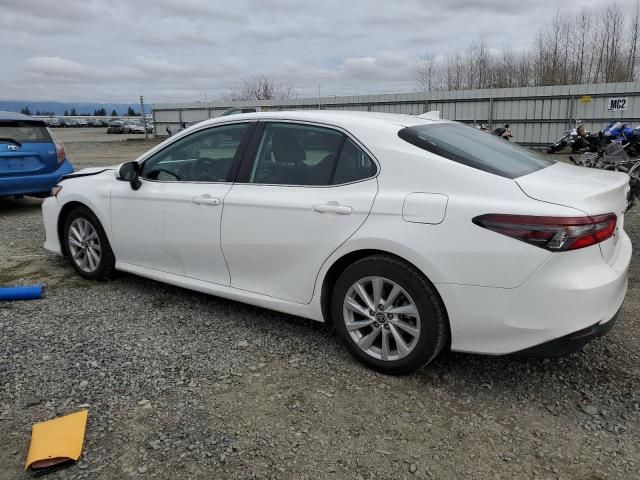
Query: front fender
{"points": [[94, 192]]}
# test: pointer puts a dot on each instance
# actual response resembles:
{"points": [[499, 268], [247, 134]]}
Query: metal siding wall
{"points": [[195, 115], [537, 115], [167, 115]]}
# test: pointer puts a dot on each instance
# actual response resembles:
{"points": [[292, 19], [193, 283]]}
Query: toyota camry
{"points": [[408, 235]]}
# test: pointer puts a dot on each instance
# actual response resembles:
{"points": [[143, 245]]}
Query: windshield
{"points": [[474, 148], [24, 132]]}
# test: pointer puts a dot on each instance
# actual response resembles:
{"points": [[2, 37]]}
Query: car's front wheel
{"points": [[388, 315], [87, 245]]}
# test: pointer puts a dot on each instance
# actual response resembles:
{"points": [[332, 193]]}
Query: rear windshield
{"points": [[23, 132], [474, 148]]}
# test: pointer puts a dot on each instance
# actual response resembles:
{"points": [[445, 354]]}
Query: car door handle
{"points": [[333, 207], [206, 200]]}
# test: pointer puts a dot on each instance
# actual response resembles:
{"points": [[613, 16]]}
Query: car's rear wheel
{"points": [[87, 245], [388, 315]]}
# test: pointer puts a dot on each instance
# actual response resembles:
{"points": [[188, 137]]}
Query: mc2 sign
{"points": [[619, 103]]}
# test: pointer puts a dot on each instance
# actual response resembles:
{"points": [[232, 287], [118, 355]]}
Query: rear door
{"points": [[302, 191], [26, 147]]}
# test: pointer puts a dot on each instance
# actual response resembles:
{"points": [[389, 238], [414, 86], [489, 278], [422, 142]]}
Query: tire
{"points": [[83, 239], [423, 334]]}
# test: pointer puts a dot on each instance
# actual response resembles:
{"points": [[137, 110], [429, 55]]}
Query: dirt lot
{"points": [[183, 385]]}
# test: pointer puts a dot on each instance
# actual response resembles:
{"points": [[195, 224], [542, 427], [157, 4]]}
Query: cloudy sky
{"points": [[176, 50]]}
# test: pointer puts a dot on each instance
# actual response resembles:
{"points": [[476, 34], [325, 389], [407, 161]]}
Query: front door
{"points": [[172, 223], [302, 194]]}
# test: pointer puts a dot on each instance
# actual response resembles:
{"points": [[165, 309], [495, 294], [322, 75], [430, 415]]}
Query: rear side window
{"points": [[294, 154], [471, 147], [291, 154], [353, 164], [24, 132]]}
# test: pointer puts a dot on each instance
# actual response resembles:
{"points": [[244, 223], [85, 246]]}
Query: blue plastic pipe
{"points": [[32, 292]]}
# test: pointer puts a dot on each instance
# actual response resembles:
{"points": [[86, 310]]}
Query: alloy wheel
{"points": [[84, 245], [381, 318]]}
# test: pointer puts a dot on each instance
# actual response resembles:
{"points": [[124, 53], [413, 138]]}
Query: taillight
{"points": [[60, 154], [552, 233]]}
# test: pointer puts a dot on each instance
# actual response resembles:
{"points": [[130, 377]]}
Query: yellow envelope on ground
{"points": [[57, 441]]}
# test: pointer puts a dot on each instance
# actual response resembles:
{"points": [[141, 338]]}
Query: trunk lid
{"points": [[592, 191], [26, 147]]}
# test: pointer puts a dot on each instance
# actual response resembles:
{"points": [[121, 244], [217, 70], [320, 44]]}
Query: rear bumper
{"points": [[568, 299], [32, 184], [569, 343]]}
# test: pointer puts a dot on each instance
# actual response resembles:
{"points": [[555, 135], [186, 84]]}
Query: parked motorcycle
{"points": [[633, 144], [617, 132], [576, 138], [503, 132], [613, 156]]}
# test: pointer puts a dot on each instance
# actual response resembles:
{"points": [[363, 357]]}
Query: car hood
{"points": [[591, 190], [85, 172], [94, 170]]}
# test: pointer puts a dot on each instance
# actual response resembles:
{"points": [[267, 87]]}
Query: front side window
{"points": [[471, 147], [24, 132], [204, 156], [290, 154]]}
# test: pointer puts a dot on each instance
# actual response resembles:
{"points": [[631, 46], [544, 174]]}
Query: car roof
{"points": [[13, 116], [342, 118]]}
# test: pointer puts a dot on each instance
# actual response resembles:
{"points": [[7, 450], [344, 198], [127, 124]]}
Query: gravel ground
{"points": [[184, 385]]}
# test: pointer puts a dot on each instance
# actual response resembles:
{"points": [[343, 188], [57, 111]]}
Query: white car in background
{"points": [[409, 235], [133, 126]]}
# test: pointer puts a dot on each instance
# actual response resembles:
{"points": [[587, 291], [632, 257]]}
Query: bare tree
{"points": [[427, 73], [634, 37], [589, 46], [453, 71], [260, 87], [583, 60]]}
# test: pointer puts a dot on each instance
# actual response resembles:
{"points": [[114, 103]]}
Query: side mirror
{"points": [[129, 172]]}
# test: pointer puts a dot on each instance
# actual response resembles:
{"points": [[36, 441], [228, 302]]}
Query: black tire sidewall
{"points": [[105, 266], [432, 317]]}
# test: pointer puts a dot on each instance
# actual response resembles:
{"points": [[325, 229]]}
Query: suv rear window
{"points": [[24, 132], [474, 148]]}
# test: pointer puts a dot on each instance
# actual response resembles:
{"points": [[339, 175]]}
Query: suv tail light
{"points": [[60, 154], [552, 233]]}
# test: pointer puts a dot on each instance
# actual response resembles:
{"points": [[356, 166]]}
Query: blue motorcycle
{"points": [[617, 132]]}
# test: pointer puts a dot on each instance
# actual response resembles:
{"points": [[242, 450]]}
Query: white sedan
{"points": [[408, 235]]}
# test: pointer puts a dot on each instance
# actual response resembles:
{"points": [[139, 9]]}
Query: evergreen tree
{"points": [[114, 113], [73, 112], [66, 114], [25, 111], [131, 113]]}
